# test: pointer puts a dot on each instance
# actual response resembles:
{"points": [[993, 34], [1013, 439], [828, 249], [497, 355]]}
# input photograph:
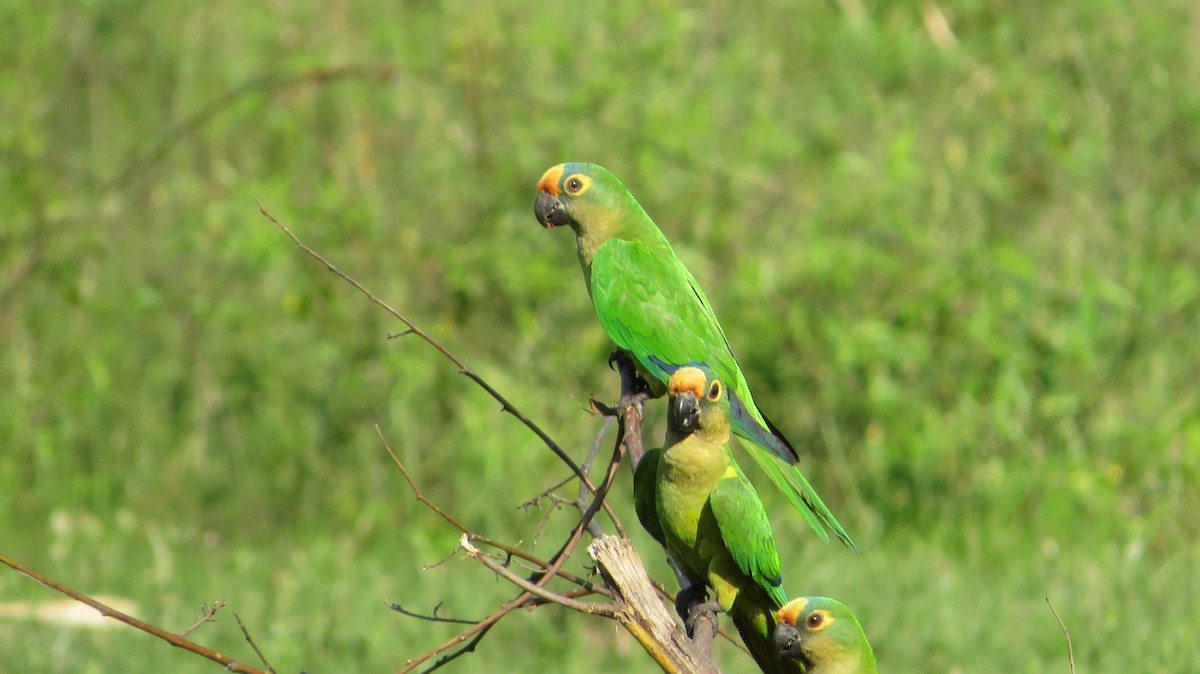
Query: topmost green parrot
{"points": [[825, 636], [654, 309]]}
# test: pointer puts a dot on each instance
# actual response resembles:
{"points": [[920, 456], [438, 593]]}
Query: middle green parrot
{"points": [[654, 310], [693, 499]]}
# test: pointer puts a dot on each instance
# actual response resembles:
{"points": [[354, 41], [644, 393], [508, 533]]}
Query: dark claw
{"points": [[707, 609], [640, 385], [688, 597], [616, 357]]}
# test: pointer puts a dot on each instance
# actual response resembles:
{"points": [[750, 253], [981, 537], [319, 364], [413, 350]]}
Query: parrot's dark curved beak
{"points": [[683, 412], [550, 211], [787, 641]]}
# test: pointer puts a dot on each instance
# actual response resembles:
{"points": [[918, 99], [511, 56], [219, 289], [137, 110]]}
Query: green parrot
{"points": [[693, 499], [825, 636], [654, 310]]}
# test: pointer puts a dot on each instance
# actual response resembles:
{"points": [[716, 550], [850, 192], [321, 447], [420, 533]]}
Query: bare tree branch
{"points": [[533, 589], [659, 634], [418, 331], [499, 545], [250, 640], [641, 612], [1066, 634], [209, 615], [474, 634], [580, 503], [108, 612], [432, 617]]}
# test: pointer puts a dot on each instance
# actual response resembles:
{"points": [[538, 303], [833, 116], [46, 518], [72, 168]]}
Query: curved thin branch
{"points": [[1066, 634], [504, 572], [419, 332], [209, 614], [499, 545], [432, 617], [109, 612], [474, 634], [250, 640]]}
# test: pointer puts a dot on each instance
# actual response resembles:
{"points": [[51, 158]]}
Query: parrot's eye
{"points": [[814, 621], [714, 391], [576, 184]]}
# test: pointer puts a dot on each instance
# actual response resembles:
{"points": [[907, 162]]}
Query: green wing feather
{"points": [[652, 307], [789, 480], [645, 494], [747, 533]]}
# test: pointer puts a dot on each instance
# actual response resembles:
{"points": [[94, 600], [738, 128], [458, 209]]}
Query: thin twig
{"points": [[532, 588], [433, 617], [593, 527], [478, 630], [209, 614], [589, 513], [580, 503], [475, 634], [537, 498], [250, 640], [576, 594], [1066, 634], [109, 612], [418, 331], [499, 545], [433, 565], [556, 502]]}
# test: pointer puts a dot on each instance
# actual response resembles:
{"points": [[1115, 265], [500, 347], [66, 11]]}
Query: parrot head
{"points": [[823, 634], [697, 402], [584, 196]]}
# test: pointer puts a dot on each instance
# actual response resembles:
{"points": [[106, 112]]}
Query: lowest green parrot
{"points": [[693, 499], [825, 636], [654, 309]]}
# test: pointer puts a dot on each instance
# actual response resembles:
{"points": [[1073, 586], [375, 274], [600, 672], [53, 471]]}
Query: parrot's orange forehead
{"points": [[550, 180], [791, 611], [687, 379]]}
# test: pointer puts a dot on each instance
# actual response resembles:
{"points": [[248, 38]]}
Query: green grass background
{"points": [[964, 278]]}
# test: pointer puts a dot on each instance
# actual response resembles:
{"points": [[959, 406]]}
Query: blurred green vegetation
{"points": [[962, 273]]}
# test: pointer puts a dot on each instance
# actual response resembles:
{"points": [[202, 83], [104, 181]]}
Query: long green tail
{"points": [[786, 476], [789, 480]]}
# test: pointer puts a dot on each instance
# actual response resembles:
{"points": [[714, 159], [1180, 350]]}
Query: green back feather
{"points": [[652, 307]]}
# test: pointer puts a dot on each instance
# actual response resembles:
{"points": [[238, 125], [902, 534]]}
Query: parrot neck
{"points": [[604, 226], [848, 663], [695, 462], [585, 249]]}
